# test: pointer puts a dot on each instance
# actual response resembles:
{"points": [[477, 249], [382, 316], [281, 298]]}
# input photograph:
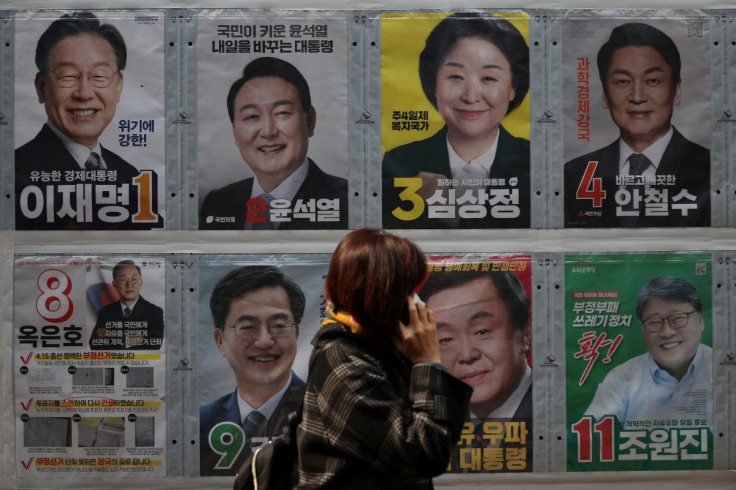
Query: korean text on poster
{"points": [[455, 112], [88, 344], [272, 138], [483, 309], [636, 99], [639, 375], [252, 381], [89, 93]]}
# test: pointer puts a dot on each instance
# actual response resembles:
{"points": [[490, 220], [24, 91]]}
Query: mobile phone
{"points": [[417, 299]]}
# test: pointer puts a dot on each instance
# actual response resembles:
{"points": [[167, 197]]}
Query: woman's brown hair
{"points": [[371, 274]]}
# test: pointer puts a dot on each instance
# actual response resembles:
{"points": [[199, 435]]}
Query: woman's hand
{"points": [[418, 340], [430, 184]]}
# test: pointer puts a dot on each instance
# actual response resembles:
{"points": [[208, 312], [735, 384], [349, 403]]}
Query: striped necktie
{"points": [[93, 161], [638, 163]]}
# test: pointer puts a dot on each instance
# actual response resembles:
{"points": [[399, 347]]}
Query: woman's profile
{"points": [[380, 411]]}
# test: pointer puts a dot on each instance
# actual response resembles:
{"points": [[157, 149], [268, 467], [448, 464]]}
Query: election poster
{"points": [[483, 310], [639, 375], [257, 317], [455, 120], [272, 111], [637, 117], [89, 129], [88, 350]]}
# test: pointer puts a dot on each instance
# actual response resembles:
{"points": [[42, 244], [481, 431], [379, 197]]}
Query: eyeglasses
{"points": [[276, 329], [99, 77], [133, 281], [675, 320]]}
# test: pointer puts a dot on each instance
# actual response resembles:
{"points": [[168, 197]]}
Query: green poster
{"points": [[639, 379]]}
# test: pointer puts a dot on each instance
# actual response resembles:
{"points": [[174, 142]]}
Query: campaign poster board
{"points": [[252, 173], [84, 409], [484, 323], [55, 188], [223, 443], [418, 188], [603, 187], [629, 405]]}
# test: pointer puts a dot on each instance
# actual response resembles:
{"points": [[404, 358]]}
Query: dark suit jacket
{"points": [[47, 153], [225, 409], [230, 202], [523, 413], [430, 155], [687, 161], [143, 311]]}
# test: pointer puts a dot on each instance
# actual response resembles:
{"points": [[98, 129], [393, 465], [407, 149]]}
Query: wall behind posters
{"points": [[181, 247]]}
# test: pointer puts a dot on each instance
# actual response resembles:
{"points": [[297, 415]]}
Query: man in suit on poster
{"points": [[652, 175], [483, 325], [132, 322], [80, 78], [272, 116], [256, 311]]}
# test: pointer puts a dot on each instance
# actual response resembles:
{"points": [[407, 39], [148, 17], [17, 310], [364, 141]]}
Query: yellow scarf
{"points": [[341, 317]]}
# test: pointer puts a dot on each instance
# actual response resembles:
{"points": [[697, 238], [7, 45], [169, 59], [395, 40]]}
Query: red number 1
{"points": [[585, 438]]}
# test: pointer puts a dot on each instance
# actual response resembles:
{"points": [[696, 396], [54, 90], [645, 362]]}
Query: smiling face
{"points": [[474, 89], [271, 129], [128, 284], [81, 112], [478, 343], [673, 350], [640, 93], [261, 365]]}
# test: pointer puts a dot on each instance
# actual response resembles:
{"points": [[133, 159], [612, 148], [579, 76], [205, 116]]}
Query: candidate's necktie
{"points": [[638, 163], [93, 161], [265, 225], [126, 312], [254, 425]]}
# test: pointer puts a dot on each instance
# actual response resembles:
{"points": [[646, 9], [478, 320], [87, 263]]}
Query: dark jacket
{"points": [[687, 161], [229, 202], [225, 409], [47, 153], [110, 319], [371, 420], [511, 452], [430, 155]]}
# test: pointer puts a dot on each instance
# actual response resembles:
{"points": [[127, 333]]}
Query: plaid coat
{"points": [[365, 427]]}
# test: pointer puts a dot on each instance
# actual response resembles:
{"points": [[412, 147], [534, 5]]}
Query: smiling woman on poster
{"points": [[475, 71]]}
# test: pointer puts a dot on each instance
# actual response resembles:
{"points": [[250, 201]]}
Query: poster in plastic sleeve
{"points": [[483, 309], [638, 338], [455, 120], [637, 120], [272, 108], [257, 317], [88, 350], [89, 98]]}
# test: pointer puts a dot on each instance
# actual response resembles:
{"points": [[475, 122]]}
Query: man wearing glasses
{"points": [[256, 312], [674, 379], [132, 322], [80, 78]]}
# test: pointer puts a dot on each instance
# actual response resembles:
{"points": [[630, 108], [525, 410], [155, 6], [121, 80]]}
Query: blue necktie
{"points": [[254, 425], [265, 225]]}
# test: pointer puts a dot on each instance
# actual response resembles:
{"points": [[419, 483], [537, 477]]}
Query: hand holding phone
{"points": [[417, 339]]}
